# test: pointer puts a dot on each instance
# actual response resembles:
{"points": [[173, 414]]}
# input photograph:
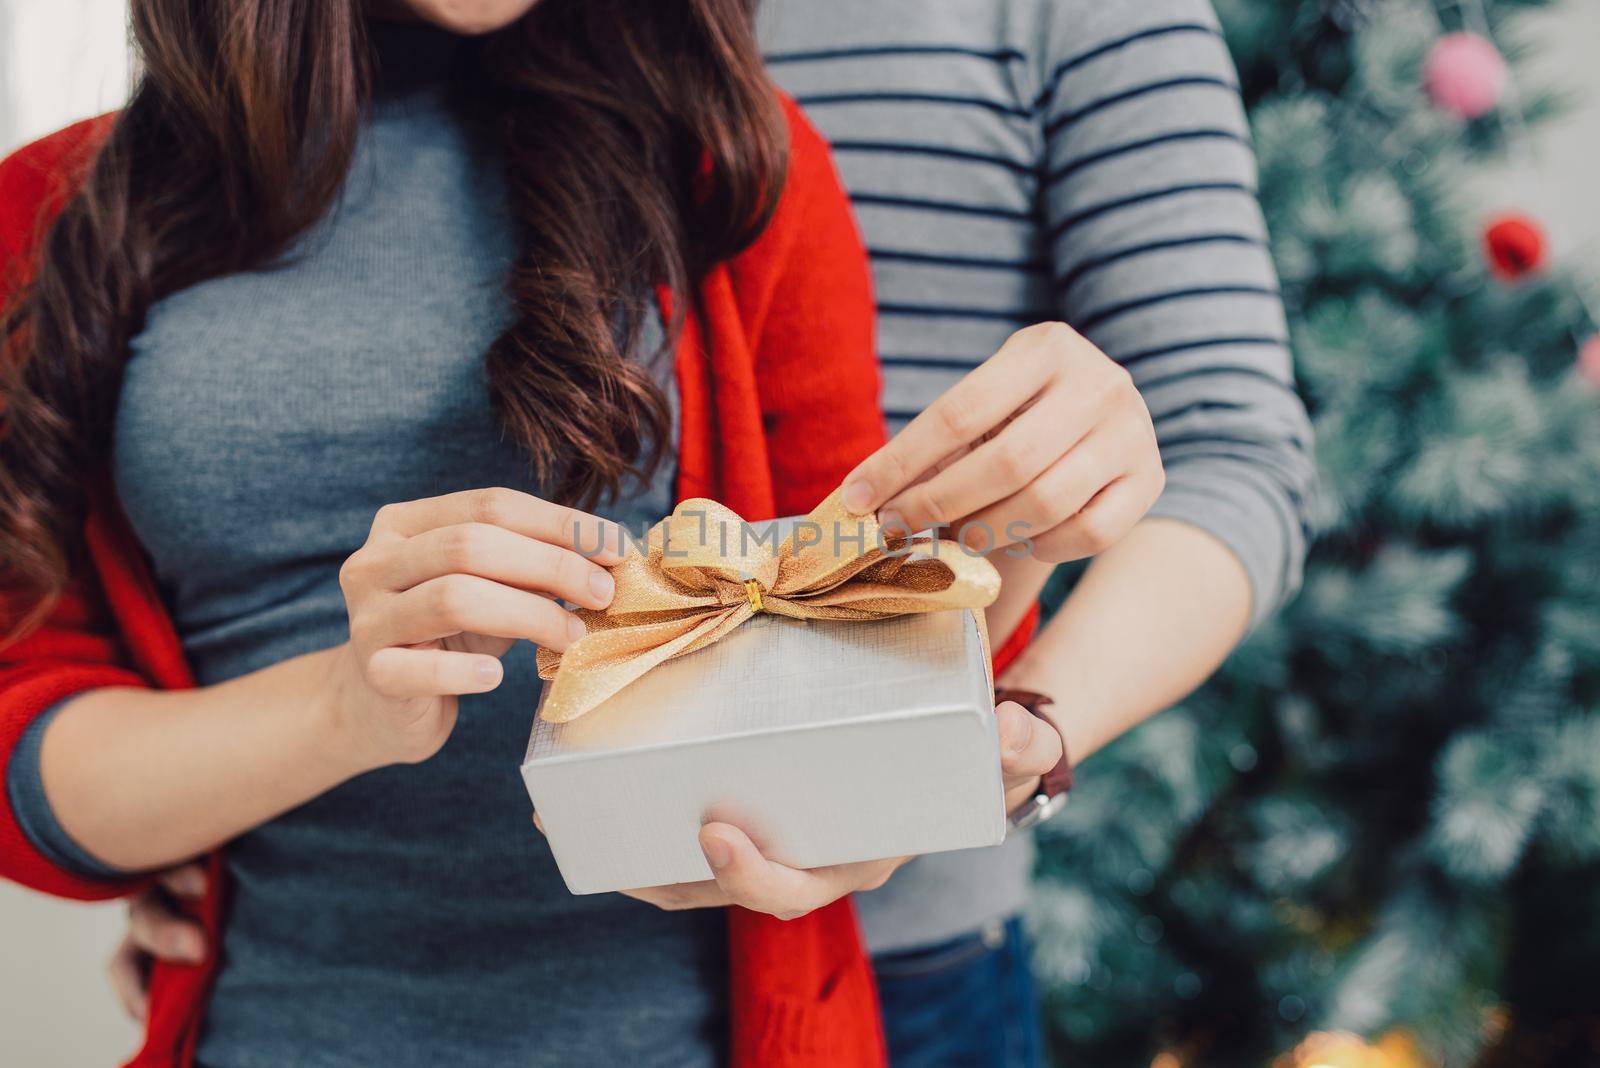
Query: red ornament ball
{"points": [[1514, 245], [1589, 361], [1465, 75]]}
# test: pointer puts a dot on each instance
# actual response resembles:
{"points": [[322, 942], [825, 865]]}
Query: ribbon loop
{"points": [[680, 596]]}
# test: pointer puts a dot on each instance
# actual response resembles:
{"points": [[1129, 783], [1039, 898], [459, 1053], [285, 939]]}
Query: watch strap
{"points": [[1058, 780]]}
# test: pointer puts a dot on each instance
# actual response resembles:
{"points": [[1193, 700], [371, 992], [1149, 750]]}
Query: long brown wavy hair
{"points": [[641, 141]]}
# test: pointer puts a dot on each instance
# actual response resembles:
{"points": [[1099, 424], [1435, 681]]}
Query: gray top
{"points": [[412, 916], [1013, 161]]}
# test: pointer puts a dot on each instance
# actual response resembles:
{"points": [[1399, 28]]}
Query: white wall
{"points": [[56, 1010], [60, 60], [1560, 185], [64, 59]]}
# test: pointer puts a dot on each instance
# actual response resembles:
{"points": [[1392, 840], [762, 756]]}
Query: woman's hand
{"points": [[1047, 442], [742, 876], [144, 778], [157, 930], [439, 592]]}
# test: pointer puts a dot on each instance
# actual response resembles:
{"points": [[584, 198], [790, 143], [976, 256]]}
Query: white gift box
{"points": [[827, 741]]}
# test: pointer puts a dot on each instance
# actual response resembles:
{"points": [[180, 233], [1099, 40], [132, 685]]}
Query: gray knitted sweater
{"points": [[1013, 161]]}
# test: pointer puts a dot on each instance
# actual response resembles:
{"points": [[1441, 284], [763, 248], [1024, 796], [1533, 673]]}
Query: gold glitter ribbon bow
{"points": [[706, 572]]}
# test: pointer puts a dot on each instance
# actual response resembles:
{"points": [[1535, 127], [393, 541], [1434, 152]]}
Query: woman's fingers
{"points": [[754, 882], [498, 554], [159, 930], [533, 517], [1029, 747], [456, 604], [751, 880], [127, 973], [156, 929], [397, 671], [745, 878], [679, 896], [972, 408]]}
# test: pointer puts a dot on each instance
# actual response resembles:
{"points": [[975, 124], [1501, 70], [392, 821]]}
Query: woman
{"points": [[324, 325]]}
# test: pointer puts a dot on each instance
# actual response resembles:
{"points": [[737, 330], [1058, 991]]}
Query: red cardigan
{"points": [[778, 387]]}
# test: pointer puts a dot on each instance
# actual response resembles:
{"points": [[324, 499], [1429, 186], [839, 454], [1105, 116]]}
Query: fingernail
{"points": [[575, 628], [893, 520], [488, 671], [718, 855], [191, 883], [602, 585], [857, 496], [1024, 735]]}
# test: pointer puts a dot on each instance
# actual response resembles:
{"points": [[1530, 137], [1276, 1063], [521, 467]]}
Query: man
{"points": [[1015, 161]]}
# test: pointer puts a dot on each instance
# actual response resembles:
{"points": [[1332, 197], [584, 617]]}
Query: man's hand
{"points": [[157, 931], [1029, 747], [1048, 441]]}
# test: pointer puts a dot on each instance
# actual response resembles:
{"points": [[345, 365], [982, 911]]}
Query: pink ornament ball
{"points": [[1589, 361], [1464, 75]]}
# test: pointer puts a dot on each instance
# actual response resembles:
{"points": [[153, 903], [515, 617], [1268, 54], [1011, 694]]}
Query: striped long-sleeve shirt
{"points": [[1013, 161]]}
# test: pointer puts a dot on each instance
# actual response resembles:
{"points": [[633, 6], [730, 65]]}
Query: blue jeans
{"points": [[970, 1001]]}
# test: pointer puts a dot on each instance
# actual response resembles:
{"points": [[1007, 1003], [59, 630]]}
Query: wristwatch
{"points": [[1053, 786]]}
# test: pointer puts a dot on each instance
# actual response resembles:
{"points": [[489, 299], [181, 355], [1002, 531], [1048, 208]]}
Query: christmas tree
{"points": [[1374, 837]]}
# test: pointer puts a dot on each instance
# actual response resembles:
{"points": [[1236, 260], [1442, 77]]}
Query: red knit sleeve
{"points": [[808, 303], [73, 651], [77, 647]]}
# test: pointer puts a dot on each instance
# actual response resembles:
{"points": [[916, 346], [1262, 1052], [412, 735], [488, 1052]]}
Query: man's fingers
{"points": [[126, 971], [164, 934], [186, 880], [972, 408], [1101, 523], [1029, 747], [1004, 465], [594, 537], [1049, 500]]}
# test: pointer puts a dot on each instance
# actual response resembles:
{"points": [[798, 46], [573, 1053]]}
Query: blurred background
{"points": [[1374, 840]]}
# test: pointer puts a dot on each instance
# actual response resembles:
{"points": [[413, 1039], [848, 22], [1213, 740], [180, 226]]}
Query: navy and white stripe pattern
{"points": [[1013, 161]]}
